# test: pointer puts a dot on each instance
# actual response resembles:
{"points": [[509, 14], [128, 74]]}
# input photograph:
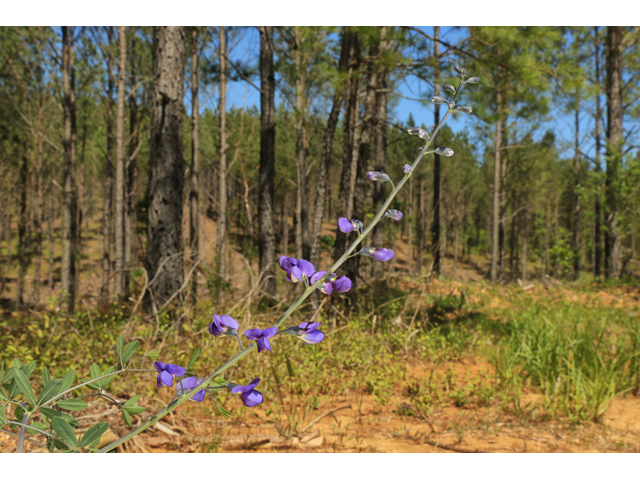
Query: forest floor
{"points": [[425, 365]]}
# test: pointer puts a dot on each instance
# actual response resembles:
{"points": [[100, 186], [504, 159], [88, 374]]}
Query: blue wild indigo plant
{"points": [[45, 413]]}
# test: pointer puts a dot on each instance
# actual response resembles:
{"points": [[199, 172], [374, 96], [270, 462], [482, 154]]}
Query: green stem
{"points": [[308, 291], [94, 379]]}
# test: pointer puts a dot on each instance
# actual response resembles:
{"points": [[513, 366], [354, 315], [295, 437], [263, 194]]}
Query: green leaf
{"points": [[127, 418], [106, 381], [91, 386], [3, 396], [225, 413], [135, 409], [39, 425], [64, 431], [8, 375], [289, 367], [129, 351], [28, 369], [3, 417], [94, 371], [67, 381], [194, 357], [132, 401], [93, 434], [153, 355], [46, 377], [73, 404], [19, 413], [50, 390], [23, 382], [17, 363], [119, 345], [219, 382], [51, 414]]}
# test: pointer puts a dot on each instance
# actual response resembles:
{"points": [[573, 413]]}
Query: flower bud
{"points": [[473, 80], [394, 214], [438, 100], [419, 132], [462, 108], [450, 88], [444, 151], [461, 71], [406, 168], [378, 176]]}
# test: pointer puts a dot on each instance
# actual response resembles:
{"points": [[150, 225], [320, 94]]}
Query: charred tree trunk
{"points": [[194, 194], [107, 206], [349, 151], [267, 243], [379, 132], [597, 263], [302, 147], [613, 244], [39, 200], [22, 219], [332, 122], [166, 165], [69, 216], [131, 217], [436, 250]]}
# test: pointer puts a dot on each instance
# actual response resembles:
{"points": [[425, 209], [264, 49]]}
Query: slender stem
{"points": [[46, 434], [25, 417], [26, 438], [97, 378], [308, 291], [239, 341]]}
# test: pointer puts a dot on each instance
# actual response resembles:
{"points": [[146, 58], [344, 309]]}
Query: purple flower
{"points": [[296, 270], [248, 395], [406, 168], [167, 372], [332, 283], [345, 225], [394, 214], [261, 337], [378, 176], [223, 325], [187, 384], [382, 254], [309, 333]]}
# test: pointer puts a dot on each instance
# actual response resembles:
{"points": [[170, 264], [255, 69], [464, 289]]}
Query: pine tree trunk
{"points": [[22, 217], [597, 263], [166, 165], [576, 198], [194, 194], [107, 206], [131, 217], [120, 168], [327, 143], [349, 150], [436, 241], [266, 245], [39, 201], [52, 217], [613, 246], [379, 131], [222, 170], [496, 194], [70, 205], [525, 247]]}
